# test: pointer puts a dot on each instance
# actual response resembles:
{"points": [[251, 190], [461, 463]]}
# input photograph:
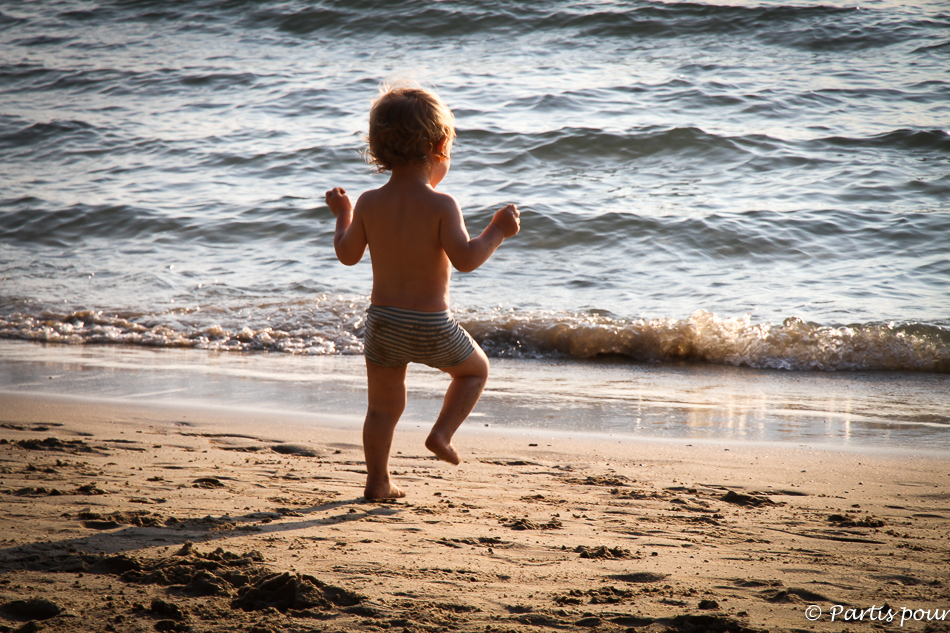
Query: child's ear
{"points": [[441, 146]]}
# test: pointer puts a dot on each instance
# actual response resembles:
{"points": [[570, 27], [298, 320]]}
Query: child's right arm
{"points": [[349, 240], [466, 253]]}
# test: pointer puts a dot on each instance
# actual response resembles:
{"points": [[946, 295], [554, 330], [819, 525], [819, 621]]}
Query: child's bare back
{"points": [[415, 235]]}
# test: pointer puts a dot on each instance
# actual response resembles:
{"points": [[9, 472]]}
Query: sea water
{"points": [[758, 185], [536, 399]]}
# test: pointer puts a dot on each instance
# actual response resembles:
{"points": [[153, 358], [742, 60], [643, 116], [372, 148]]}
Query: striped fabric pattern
{"points": [[394, 337]]}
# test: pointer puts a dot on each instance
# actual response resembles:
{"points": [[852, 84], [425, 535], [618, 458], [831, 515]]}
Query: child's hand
{"points": [[338, 201], [508, 220]]}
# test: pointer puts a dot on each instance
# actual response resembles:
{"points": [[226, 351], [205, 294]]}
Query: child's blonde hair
{"points": [[406, 124]]}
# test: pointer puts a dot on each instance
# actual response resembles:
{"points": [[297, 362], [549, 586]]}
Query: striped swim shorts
{"points": [[393, 337]]}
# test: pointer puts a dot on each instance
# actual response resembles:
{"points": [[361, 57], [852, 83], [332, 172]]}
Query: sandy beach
{"points": [[126, 517]]}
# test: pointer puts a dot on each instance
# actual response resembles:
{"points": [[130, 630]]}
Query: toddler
{"points": [[415, 235]]}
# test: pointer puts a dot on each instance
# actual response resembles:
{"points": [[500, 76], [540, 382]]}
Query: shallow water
{"points": [[864, 411], [759, 184]]}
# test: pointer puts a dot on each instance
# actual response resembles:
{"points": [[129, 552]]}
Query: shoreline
{"points": [[571, 534], [876, 412], [35, 408]]}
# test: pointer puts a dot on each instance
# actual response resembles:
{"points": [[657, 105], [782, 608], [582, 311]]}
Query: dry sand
{"points": [[128, 518]]}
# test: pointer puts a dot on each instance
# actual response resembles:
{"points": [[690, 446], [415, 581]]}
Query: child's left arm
{"points": [[465, 253], [349, 241]]}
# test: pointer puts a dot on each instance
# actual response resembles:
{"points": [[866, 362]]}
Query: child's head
{"points": [[406, 125]]}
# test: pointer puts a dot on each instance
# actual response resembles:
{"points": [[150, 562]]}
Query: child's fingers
{"points": [[512, 218]]}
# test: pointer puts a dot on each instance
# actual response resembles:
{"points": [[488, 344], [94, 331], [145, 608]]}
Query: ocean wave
{"points": [[569, 144], [24, 74], [676, 19], [117, 82], [335, 328], [797, 237], [710, 152], [53, 131], [903, 139], [810, 27], [85, 14], [7, 20], [27, 221], [31, 220], [706, 337], [933, 48], [218, 80], [187, 328], [577, 145], [42, 40]]}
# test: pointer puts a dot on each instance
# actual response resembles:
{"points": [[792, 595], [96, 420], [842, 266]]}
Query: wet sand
{"points": [[127, 517]]}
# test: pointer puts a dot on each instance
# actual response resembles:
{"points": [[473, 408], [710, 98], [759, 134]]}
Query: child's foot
{"points": [[443, 450], [383, 491]]}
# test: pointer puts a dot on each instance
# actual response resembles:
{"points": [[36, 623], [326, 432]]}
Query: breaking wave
{"points": [[336, 328]]}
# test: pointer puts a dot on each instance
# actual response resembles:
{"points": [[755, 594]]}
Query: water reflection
{"points": [[883, 410]]}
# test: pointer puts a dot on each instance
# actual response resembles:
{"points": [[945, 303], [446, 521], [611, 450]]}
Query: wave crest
{"points": [[706, 337], [336, 328]]}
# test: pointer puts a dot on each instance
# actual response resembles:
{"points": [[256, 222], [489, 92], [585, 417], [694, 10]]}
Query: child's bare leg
{"points": [[468, 381], [386, 400]]}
